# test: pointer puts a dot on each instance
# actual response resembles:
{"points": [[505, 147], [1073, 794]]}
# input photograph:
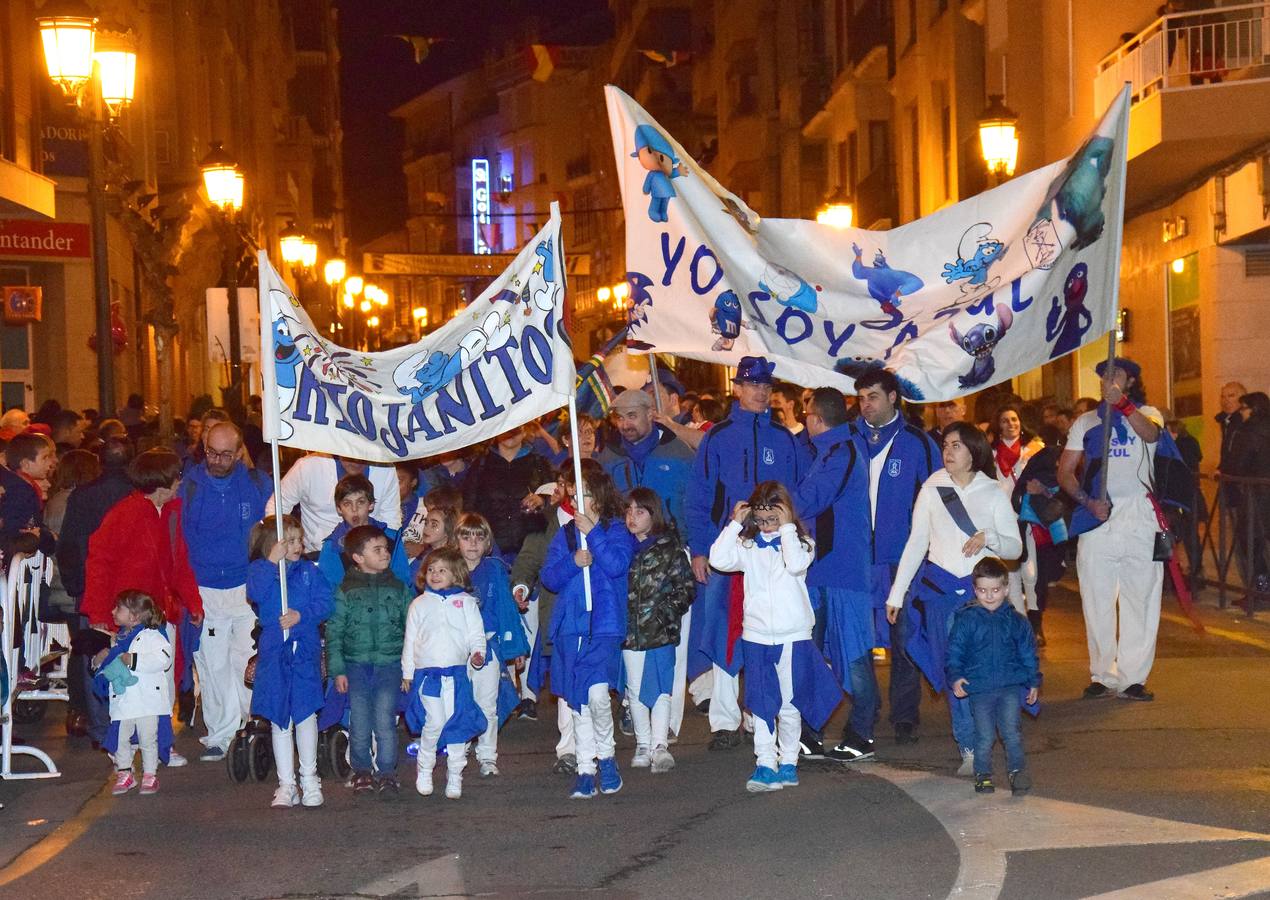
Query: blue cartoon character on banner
{"points": [[725, 319], [976, 253], [422, 374], [788, 289], [1076, 195], [657, 156], [886, 285], [287, 359], [979, 341], [1069, 322], [859, 366]]}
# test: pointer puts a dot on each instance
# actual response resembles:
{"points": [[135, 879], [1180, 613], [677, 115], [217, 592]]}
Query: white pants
{"points": [[224, 648], [725, 705], [564, 723], [1117, 574], [652, 726], [530, 618], [485, 690], [783, 745], [285, 749], [437, 711], [1023, 576], [593, 729], [678, 695], [146, 729]]}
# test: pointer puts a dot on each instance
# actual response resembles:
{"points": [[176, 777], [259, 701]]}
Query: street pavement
{"points": [[1132, 800]]}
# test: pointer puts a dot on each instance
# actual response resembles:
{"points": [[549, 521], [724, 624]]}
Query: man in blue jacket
{"points": [[736, 454], [900, 457], [221, 500]]}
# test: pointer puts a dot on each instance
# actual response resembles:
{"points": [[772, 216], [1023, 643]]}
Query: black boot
{"points": [[1038, 629]]}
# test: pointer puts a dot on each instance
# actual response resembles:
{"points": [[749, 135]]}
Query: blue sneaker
{"points": [[583, 788], [764, 779], [787, 775], [610, 778]]}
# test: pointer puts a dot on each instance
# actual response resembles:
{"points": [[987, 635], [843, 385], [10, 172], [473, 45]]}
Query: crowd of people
{"points": [[749, 561]]}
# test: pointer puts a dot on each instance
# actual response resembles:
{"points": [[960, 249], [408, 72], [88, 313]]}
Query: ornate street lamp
{"points": [[837, 211], [116, 58], [308, 253], [225, 186], [998, 137], [291, 242], [222, 179], [334, 271], [69, 35]]}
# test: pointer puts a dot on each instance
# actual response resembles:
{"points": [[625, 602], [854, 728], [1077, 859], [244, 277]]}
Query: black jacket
{"points": [[660, 589], [495, 488], [85, 509], [21, 508], [1249, 454]]}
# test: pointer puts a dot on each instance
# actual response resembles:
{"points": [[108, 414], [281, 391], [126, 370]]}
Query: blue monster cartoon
{"points": [[857, 366], [725, 316], [979, 341], [788, 289], [287, 360], [886, 285], [657, 156], [1078, 191], [976, 253], [1069, 322]]}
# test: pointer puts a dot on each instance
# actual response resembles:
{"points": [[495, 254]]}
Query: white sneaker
{"points": [[488, 768], [967, 763], [311, 785], [176, 760], [454, 787], [641, 760], [662, 761], [285, 797], [423, 784]]}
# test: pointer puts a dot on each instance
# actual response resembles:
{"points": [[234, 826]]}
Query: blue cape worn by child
{"points": [[333, 564], [467, 720], [101, 686], [816, 691]]}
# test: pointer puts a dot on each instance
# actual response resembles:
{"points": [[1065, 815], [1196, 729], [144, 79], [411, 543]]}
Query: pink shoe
{"points": [[149, 784], [124, 782]]}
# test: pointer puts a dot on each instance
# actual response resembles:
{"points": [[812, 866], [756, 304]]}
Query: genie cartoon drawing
{"points": [[422, 374], [1069, 322], [287, 360], [725, 318], [856, 366], [979, 341], [787, 289], [976, 253], [657, 156], [1077, 193], [886, 285]]}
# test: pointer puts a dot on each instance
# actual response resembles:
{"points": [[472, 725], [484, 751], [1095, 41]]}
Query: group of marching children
{"points": [[424, 623]]}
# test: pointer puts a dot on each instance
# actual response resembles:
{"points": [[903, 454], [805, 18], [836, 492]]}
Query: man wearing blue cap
{"points": [[657, 156], [736, 454], [1119, 579]]}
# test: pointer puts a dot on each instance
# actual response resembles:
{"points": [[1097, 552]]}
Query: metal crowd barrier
{"points": [[32, 644], [1235, 536]]}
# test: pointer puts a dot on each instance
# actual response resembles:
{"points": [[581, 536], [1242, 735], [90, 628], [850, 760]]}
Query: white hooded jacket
{"points": [[777, 607]]}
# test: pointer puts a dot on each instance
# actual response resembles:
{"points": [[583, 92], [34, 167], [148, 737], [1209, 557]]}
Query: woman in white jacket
{"points": [[786, 677], [961, 516]]}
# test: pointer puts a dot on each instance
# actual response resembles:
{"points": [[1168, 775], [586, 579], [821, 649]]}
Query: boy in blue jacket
{"points": [[992, 660], [355, 500]]}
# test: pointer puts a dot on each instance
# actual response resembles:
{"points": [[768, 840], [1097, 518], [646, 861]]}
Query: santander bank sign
{"points": [[24, 237]]}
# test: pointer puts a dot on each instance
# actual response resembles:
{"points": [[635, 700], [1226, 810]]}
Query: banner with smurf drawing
{"points": [[971, 295], [500, 362]]}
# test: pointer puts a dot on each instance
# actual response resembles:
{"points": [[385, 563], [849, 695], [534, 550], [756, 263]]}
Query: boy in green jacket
{"points": [[363, 645]]}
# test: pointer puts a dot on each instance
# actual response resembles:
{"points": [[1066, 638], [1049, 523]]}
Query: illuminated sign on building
{"points": [[480, 205]]}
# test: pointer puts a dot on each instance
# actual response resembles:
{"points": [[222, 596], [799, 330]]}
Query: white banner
{"points": [[502, 361], [969, 296]]}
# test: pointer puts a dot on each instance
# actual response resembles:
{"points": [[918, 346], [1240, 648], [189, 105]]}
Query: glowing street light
{"points": [[334, 271], [603, 294], [69, 37], [837, 211], [308, 253], [116, 59], [354, 284], [365, 306], [222, 179], [998, 137], [291, 242]]}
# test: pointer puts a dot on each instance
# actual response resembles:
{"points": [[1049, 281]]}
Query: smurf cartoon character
{"points": [[422, 374], [787, 289], [657, 156], [725, 317], [287, 359], [976, 253]]}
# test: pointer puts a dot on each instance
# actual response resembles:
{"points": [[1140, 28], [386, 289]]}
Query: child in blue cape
{"points": [[135, 673], [586, 658], [288, 686], [505, 635], [355, 500]]}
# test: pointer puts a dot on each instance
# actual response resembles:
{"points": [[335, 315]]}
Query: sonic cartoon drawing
{"points": [[788, 289], [1076, 195], [725, 319], [886, 285], [657, 156], [979, 341], [976, 253], [1069, 322]]}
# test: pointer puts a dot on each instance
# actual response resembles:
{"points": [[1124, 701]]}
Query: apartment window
{"points": [[743, 92], [940, 97], [912, 24], [914, 157], [879, 144], [584, 226], [848, 165]]}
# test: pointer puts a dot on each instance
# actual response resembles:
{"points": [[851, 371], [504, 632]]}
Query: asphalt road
{"points": [[1158, 800]]}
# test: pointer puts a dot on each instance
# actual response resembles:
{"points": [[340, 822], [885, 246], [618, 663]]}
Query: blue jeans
{"points": [[963, 722], [373, 694], [997, 711], [864, 697], [906, 681]]}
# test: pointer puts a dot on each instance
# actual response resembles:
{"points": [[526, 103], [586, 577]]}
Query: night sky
{"points": [[378, 73]]}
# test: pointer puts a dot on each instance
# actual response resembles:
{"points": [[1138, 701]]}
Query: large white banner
{"points": [[954, 302], [502, 361]]}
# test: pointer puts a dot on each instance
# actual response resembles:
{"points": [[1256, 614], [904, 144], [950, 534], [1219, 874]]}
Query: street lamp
{"points": [[998, 137], [116, 58], [225, 188], [354, 285], [69, 37], [308, 253], [291, 242], [603, 293], [837, 211], [334, 271]]}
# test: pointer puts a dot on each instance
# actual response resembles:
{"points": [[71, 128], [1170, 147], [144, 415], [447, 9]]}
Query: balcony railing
{"points": [[1184, 50]]}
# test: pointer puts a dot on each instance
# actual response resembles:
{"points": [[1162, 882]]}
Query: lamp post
{"points": [[69, 35], [225, 186], [999, 138]]}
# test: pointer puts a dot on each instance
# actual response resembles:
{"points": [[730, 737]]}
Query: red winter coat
{"points": [[141, 548]]}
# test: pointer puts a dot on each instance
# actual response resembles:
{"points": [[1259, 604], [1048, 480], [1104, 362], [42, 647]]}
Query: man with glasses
{"points": [[221, 500]]}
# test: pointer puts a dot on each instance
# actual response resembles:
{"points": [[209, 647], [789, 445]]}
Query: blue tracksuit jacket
{"points": [[666, 469], [217, 515]]}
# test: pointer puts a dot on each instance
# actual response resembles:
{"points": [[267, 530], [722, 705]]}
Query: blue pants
{"points": [[864, 697], [373, 695], [963, 721], [997, 711], [906, 680]]}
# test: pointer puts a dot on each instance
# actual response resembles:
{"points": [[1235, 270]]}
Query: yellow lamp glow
{"points": [[349, 302], [1179, 265], [998, 137], [836, 214], [354, 284], [308, 254], [69, 40], [221, 179], [603, 294], [621, 291], [420, 313], [373, 321], [291, 241], [334, 271], [365, 307]]}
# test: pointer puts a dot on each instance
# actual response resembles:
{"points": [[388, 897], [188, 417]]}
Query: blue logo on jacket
{"points": [[893, 468]]}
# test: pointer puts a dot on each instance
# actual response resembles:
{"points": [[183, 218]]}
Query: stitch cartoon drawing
{"points": [[657, 156], [788, 289], [856, 366], [1076, 194], [886, 285], [725, 319], [979, 341], [287, 359], [976, 253], [1069, 322], [422, 374]]}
